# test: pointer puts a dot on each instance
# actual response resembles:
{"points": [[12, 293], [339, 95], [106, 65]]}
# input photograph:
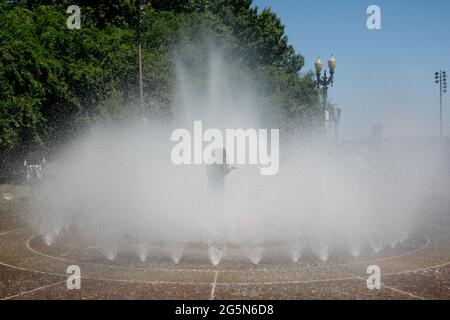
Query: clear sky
{"points": [[382, 76]]}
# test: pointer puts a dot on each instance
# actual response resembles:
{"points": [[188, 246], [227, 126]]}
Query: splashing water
{"points": [[296, 251], [110, 253], [376, 244], [51, 236], [8, 196], [319, 189], [177, 253], [394, 243], [405, 236], [322, 251], [143, 256], [254, 253], [216, 254], [49, 239], [355, 250], [142, 251]]}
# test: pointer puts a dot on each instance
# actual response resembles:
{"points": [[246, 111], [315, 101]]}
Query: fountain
{"points": [[355, 250], [216, 253], [253, 251], [119, 182], [177, 253], [142, 251], [296, 251], [110, 252], [321, 250]]}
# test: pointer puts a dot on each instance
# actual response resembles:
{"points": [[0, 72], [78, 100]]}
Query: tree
{"points": [[54, 82]]}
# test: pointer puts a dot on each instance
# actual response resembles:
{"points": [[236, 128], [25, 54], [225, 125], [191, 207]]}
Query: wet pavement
{"points": [[29, 269]]}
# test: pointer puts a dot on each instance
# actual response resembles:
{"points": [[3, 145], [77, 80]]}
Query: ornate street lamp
{"points": [[323, 82], [441, 79]]}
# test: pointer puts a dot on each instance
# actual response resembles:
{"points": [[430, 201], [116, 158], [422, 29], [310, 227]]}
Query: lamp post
{"points": [[323, 81], [441, 79]]}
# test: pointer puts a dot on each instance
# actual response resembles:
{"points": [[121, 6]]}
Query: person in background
{"points": [[217, 171], [34, 172]]}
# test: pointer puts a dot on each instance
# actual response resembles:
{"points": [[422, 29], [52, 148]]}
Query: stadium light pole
{"points": [[440, 78], [323, 82]]}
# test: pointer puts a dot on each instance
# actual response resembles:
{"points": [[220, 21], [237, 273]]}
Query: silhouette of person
{"points": [[218, 170]]}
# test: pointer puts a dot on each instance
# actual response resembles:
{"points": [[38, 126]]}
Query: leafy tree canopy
{"points": [[55, 81]]}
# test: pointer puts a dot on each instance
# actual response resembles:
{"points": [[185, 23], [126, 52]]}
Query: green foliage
{"points": [[54, 81]]}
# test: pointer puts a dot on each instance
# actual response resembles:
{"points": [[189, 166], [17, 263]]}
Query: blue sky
{"points": [[382, 76]]}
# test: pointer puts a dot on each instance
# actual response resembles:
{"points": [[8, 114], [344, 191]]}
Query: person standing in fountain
{"points": [[218, 170]]}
